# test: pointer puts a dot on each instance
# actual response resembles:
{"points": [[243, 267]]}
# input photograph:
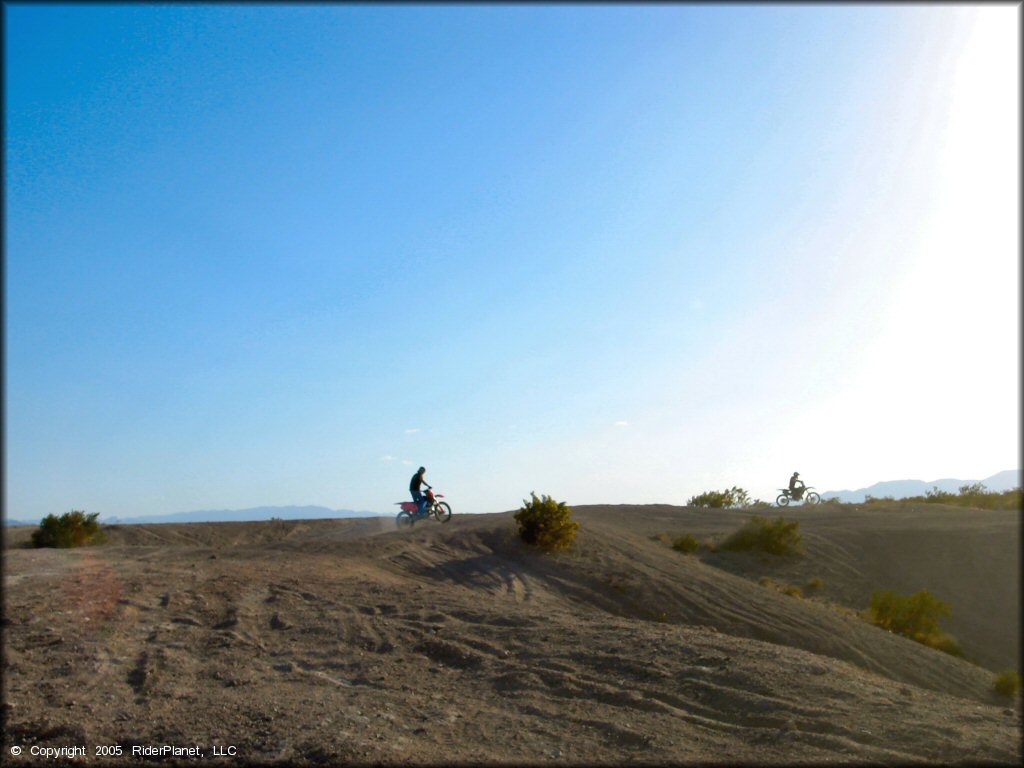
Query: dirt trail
{"points": [[328, 641]]}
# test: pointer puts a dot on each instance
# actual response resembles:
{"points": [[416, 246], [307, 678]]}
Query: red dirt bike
{"points": [[411, 513]]}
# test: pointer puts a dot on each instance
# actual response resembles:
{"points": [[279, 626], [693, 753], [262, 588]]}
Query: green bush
{"points": [[935, 496], [72, 529], [1007, 683], [546, 523], [941, 641], [715, 499], [686, 544], [916, 616], [733, 497], [775, 537]]}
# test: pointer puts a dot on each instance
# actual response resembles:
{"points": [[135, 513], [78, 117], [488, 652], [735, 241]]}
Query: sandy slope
{"points": [[969, 558], [326, 641]]}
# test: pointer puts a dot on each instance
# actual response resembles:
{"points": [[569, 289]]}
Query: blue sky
{"points": [[276, 254]]}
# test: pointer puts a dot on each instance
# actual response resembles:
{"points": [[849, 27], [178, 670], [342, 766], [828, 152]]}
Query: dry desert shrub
{"points": [[789, 589], [72, 529], [546, 523], [974, 495], [942, 641], [815, 583], [727, 499], [685, 543], [774, 537], [1007, 683]]}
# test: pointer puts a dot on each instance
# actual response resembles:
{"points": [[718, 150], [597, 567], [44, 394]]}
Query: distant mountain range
{"points": [[897, 489], [227, 515], [900, 489]]}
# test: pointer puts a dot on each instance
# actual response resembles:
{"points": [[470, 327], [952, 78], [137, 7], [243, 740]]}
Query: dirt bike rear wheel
{"points": [[442, 512], [404, 520], [783, 500], [812, 498]]}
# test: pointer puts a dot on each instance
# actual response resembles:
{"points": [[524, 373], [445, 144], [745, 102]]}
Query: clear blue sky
{"points": [[284, 254]]}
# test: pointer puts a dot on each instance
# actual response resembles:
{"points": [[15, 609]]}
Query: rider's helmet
{"points": [[796, 474], [421, 470]]}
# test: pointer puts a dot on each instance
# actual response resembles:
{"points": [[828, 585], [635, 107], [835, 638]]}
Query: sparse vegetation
{"points": [[72, 529], [973, 495], [1007, 683], [663, 537], [789, 589], [732, 497], [686, 544], [775, 537], [546, 523], [916, 617], [815, 583]]}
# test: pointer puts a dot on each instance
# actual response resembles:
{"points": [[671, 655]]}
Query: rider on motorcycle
{"points": [[414, 489], [794, 490]]}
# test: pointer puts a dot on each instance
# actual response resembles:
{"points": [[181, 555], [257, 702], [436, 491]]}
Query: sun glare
{"points": [[941, 379], [960, 298]]}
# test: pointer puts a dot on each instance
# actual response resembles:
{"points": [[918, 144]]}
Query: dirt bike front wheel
{"points": [[812, 498], [404, 520], [783, 500], [442, 512]]}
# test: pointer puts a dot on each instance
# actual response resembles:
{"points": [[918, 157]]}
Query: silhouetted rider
{"points": [[796, 485], [414, 488]]}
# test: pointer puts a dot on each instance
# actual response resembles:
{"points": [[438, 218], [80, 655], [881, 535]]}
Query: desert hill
{"points": [[319, 641], [969, 558]]}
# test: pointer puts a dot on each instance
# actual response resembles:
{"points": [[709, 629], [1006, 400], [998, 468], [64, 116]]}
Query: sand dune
{"points": [[347, 641]]}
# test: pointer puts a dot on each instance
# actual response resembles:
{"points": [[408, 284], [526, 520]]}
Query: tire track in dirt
{"points": [[458, 644]]}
